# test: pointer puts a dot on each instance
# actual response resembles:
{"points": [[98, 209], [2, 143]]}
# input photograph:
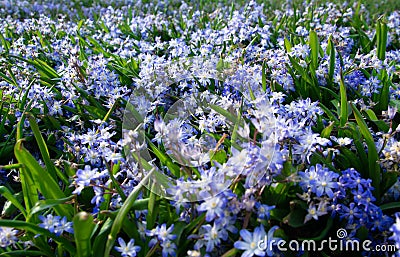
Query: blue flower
{"points": [[263, 210], [84, 178], [64, 225], [257, 243], [127, 250], [8, 236], [314, 213], [56, 224], [213, 207], [165, 234], [320, 180], [49, 222], [350, 212], [325, 183], [168, 248], [351, 179], [362, 197]]}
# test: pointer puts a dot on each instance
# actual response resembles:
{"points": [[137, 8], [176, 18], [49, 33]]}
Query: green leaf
{"points": [[328, 112], [6, 78], [123, 212], [83, 228], [332, 59], [42, 146], [46, 72], [295, 218], [35, 229], [362, 155], [384, 94], [314, 46], [5, 192], [101, 238], [264, 77], [231, 253], [152, 208], [5, 43], [388, 180], [219, 156], [25, 97], [80, 23], [110, 111], [252, 96], [322, 159], [23, 253], [374, 171], [9, 209], [47, 204], [326, 132], [288, 45], [190, 229], [352, 157], [343, 103], [29, 189], [224, 113], [95, 111], [380, 123], [44, 182], [388, 206], [381, 40], [164, 159]]}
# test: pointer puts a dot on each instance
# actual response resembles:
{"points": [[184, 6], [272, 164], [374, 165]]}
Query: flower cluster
{"points": [[56, 224], [8, 236], [163, 236]]}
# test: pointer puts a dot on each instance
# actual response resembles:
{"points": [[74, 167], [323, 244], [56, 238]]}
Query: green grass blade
{"points": [[380, 123], [231, 253], [5, 43]]}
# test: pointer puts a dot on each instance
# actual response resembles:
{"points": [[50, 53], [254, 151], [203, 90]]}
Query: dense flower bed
{"points": [[198, 129]]}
